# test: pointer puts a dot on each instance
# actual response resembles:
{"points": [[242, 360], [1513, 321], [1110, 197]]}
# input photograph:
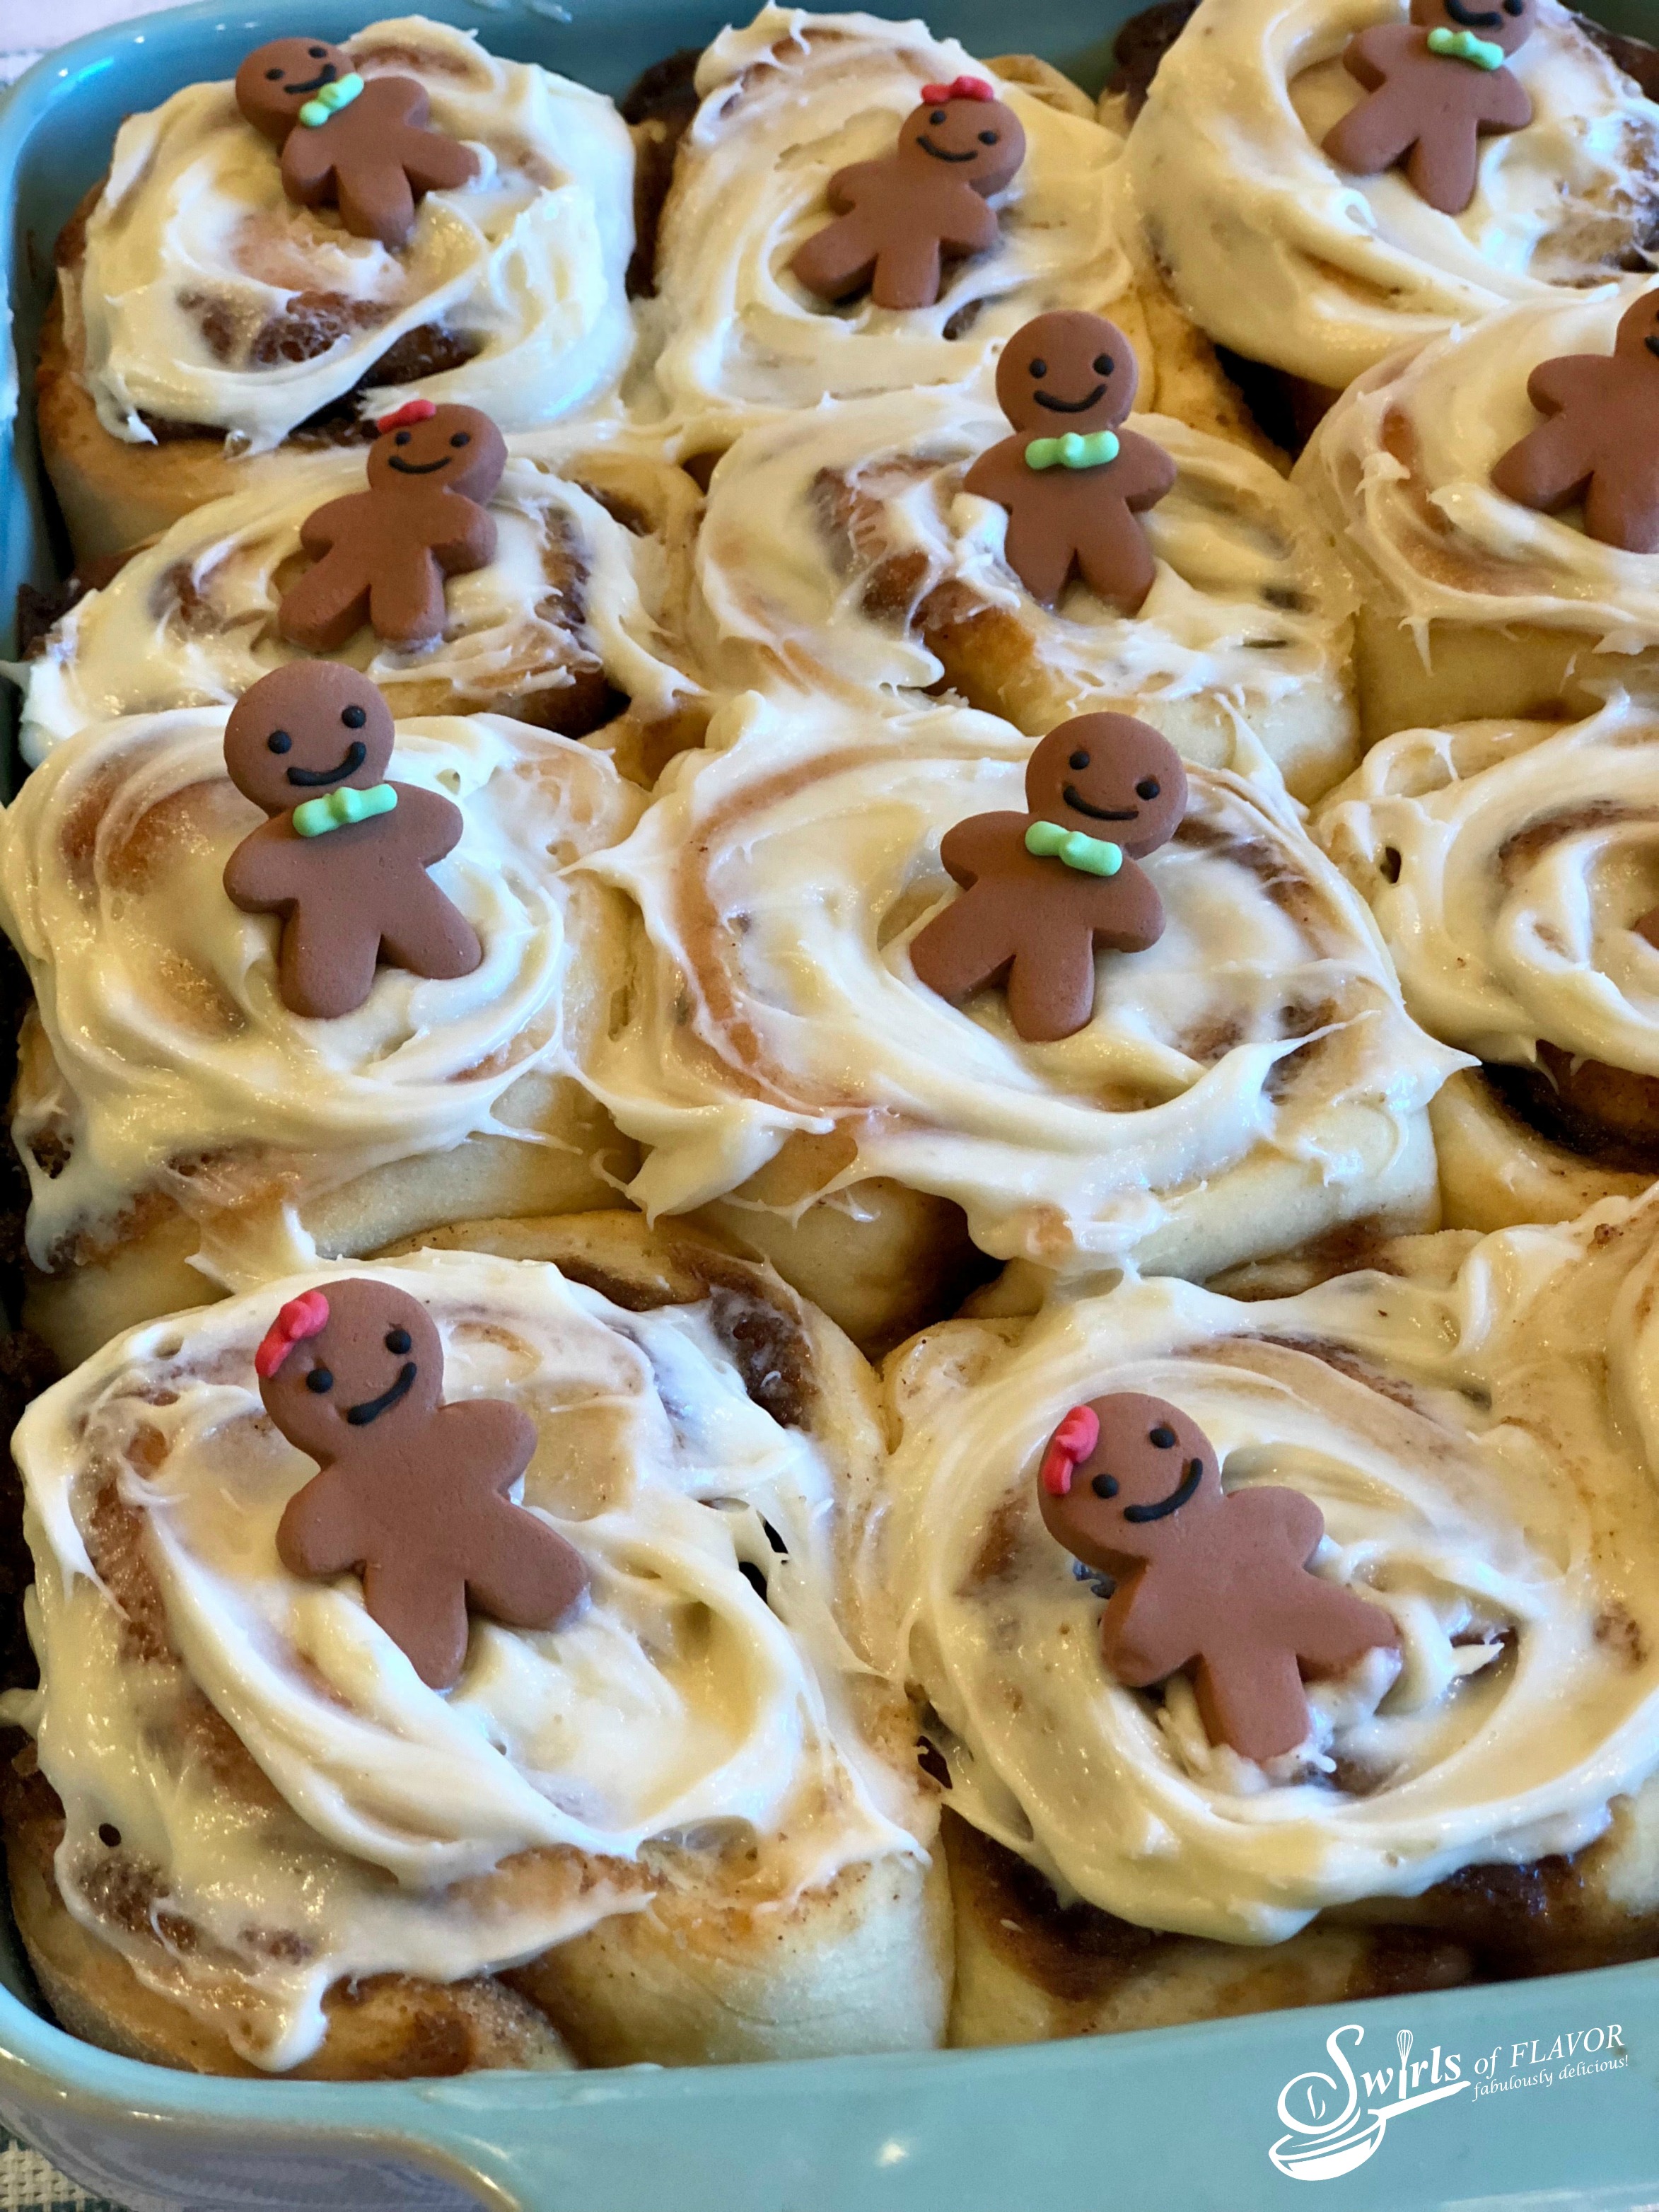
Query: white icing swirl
{"points": [[191, 619], [179, 1068], [1276, 251], [1505, 864], [1401, 469], [201, 279], [781, 875], [679, 1707], [826, 533], [1477, 1479], [787, 101]]}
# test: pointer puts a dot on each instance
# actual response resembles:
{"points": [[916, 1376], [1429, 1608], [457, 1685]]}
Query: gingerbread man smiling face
{"points": [[412, 1492], [1131, 1486]]}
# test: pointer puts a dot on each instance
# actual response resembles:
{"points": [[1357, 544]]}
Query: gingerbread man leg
{"points": [[907, 272], [535, 1575], [401, 1595], [838, 258], [1116, 561], [406, 599], [328, 603], [1255, 1702], [1051, 990], [431, 935], [1619, 509], [327, 970], [375, 202], [1445, 171], [1041, 556]]}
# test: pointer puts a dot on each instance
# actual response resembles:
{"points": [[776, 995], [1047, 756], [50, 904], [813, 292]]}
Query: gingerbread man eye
{"points": [[398, 1340], [1039, 369], [354, 717], [1148, 787], [1164, 1439], [988, 137], [462, 438], [279, 742], [316, 53], [936, 118], [1513, 7], [402, 437], [1078, 760], [273, 76], [1104, 364], [1105, 1486], [319, 1379]]}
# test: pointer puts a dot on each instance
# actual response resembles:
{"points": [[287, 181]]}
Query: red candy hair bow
{"points": [[962, 88], [412, 410], [1069, 1446], [305, 1315]]}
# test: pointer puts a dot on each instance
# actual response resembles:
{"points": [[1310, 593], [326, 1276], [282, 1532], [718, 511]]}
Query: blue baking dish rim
{"points": [[1520, 2095]]}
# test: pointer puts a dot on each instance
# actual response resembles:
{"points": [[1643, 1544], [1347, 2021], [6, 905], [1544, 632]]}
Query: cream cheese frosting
{"points": [[206, 297], [781, 877], [390, 1827], [570, 594], [1506, 864], [178, 1068], [1277, 252], [827, 534], [787, 101], [1481, 1477], [1401, 467]]}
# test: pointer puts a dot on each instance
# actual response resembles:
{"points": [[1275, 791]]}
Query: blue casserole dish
{"points": [[1523, 2095]]}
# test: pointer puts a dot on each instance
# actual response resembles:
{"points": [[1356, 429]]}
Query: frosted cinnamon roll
{"points": [[787, 104], [1248, 1082], [576, 623], [1295, 258], [682, 1823], [206, 321], [182, 1127], [1470, 1794], [1513, 868], [839, 551], [1471, 604]]}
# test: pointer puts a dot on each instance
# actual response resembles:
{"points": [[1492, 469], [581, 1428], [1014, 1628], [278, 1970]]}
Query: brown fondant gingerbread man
{"points": [[1601, 441], [382, 555], [367, 147], [1072, 483], [1434, 87], [898, 217], [1130, 1486], [412, 1495], [343, 859], [1042, 890]]}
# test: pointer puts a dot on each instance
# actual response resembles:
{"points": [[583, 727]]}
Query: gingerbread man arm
{"points": [[970, 225], [1370, 54], [1143, 472], [322, 1530], [307, 164], [1550, 466], [969, 848], [1144, 1636], [468, 539], [1129, 912], [432, 822], [259, 874], [324, 525], [1000, 472], [431, 160], [1507, 105], [1326, 1627], [491, 1442]]}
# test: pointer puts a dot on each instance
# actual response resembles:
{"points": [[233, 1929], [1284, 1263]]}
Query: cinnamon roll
{"points": [[205, 322], [1470, 604], [1513, 868], [685, 1824], [1473, 1798], [839, 552], [791, 99], [1289, 259], [577, 624], [182, 1128], [1249, 1082]]}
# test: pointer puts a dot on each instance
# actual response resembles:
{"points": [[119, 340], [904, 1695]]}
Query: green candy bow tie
{"points": [[1074, 451], [330, 100], [335, 809], [1091, 856], [1464, 47]]}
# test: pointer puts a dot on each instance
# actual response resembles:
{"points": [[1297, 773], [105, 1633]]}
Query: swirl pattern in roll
{"points": [[162, 1071], [839, 552], [1250, 1080], [1277, 252], [1480, 1478], [295, 1806], [574, 609], [204, 297], [786, 103]]}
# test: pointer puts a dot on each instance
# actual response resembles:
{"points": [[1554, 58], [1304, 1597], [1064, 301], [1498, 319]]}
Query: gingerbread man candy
{"points": [[1130, 1486], [1601, 441], [382, 555], [1434, 85], [344, 857], [367, 147], [899, 216], [412, 1495], [1072, 483], [1042, 890]]}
